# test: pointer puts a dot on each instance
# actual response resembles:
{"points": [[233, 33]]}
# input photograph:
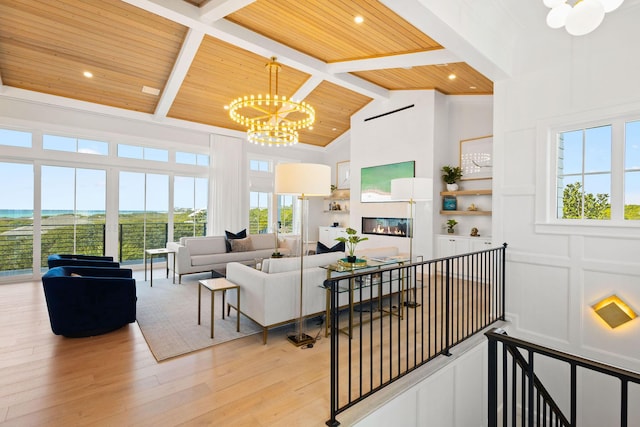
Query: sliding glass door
{"points": [[143, 214], [16, 218], [73, 211]]}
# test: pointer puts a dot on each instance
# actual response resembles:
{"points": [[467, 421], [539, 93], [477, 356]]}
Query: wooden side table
{"points": [[150, 253], [213, 285]]}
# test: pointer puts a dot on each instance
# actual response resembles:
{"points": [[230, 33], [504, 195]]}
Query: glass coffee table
{"points": [[342, 268]]}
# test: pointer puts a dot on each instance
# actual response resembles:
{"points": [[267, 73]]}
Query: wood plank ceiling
{"points": [[329, 61]]}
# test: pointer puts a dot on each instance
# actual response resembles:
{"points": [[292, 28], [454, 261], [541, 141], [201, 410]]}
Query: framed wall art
{"points": [[476, 158], [343, 175], [375, 181]]}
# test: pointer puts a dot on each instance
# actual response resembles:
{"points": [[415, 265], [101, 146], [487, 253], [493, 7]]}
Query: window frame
{"points": [[546, 220]]}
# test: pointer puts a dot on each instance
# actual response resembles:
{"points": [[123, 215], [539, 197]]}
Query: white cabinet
{"points": [[452, 245], [327, 235], [449, 245]]}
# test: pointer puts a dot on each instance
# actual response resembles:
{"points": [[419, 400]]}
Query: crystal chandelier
{"points": [[584, 17], [271, 119]]}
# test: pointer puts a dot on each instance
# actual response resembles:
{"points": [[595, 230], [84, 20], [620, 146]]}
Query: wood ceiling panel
{"points": [[46, 46], [334, 107], [325, 29], [222, 72], [467, 82]]}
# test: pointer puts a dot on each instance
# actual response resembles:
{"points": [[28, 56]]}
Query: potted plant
{"points": [[451, 174], [351, 241], [450, 226]]}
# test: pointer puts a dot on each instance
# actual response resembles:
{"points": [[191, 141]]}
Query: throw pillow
{"points": [[241, 245], [231, 236], [323, 249]]}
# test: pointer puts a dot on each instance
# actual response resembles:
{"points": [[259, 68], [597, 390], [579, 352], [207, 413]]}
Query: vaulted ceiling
{"points": [[198, 55]]}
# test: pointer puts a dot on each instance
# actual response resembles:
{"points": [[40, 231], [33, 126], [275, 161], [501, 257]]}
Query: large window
{"points": [[189, 207], [584, 173], [259, 203], [285, 213], [632, 171], [73, 211], [16, 218], [143, 216], [597, 177], [15, 138], [75, 145], [94, 204]]}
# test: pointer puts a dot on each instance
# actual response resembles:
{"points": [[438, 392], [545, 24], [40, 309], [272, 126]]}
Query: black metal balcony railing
{"points": [[401, 317], [16, 241], [516, 396]]}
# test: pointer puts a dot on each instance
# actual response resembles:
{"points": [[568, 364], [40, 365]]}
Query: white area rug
{"points": [[168, 316]]}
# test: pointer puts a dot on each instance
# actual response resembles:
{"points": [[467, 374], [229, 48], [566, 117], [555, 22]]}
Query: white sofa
{"points": [[271, 296], [208, 253]]}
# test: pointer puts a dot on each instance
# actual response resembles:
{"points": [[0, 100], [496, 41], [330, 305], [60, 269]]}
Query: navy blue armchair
{"points": [[87, 301], [57, 260]]}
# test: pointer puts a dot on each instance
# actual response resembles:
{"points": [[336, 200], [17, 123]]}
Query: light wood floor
{"points": [[114, 380]]}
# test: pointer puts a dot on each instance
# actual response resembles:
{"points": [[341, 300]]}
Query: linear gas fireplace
{"points": [[398, 227]]}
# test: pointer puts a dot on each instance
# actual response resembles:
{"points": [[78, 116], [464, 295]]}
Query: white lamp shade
{"points": [[557, 17], [303, 178], [585, 17], [416, 189]]}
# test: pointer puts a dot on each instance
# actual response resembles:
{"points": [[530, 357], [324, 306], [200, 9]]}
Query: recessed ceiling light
{"points": [[358, 19], [334, 129], [452, 76], [473, 87], [87, 74]]}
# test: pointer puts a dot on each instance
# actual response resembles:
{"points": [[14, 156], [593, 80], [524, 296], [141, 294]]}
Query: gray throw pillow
{"points": [[241, 245]]}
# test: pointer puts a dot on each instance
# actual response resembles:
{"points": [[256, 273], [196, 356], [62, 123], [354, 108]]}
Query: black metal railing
{"points": [[516, 396], [387, 322], [16, 241]]}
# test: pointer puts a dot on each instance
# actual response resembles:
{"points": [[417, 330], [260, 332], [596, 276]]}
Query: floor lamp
{"points": [[303, 180], [411, 190]]}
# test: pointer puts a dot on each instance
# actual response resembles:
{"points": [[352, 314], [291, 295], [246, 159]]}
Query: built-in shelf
{"points": [[467, 213], [346, 211], [466, 193]]}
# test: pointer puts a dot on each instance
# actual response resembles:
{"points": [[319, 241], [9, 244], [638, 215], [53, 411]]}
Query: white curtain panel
{"points": [[228, 196]]}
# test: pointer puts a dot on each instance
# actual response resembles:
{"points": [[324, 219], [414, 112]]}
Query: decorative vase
{"points": [[351, 258], [452, 187], [450, 230]]}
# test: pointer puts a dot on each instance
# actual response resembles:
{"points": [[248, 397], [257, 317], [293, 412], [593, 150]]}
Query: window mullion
{"points": [[617, 170]]}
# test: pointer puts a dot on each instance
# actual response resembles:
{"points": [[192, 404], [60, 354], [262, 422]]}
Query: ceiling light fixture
{"points": [[265, 117], [581, 18], [452, 76], [87, 74], [358, 19]]}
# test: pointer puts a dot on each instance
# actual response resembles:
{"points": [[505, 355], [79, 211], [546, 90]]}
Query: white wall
{"points": [[554, 275], [453, 396], [428, 133], [402, 136]]}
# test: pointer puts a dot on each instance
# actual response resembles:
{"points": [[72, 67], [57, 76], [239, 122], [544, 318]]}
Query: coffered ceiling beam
{"points": [[189, 15], [430, 57], [214, 10], [260, 45], [179, 72]]}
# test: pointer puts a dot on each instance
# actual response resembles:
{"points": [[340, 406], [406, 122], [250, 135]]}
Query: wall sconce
{"points": [[614, 311]]}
